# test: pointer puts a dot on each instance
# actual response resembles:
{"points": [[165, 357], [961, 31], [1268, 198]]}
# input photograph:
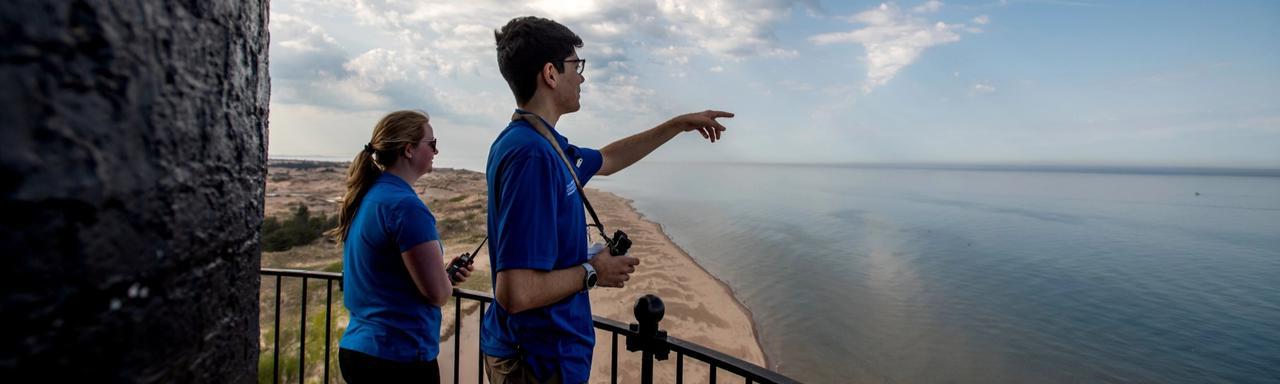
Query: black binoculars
{"points": [[619, 244]]}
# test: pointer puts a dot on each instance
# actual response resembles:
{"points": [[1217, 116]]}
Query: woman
{"points": [[394, 276]]}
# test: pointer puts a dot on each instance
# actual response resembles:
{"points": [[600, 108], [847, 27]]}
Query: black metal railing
{"points": [[644, 336]]}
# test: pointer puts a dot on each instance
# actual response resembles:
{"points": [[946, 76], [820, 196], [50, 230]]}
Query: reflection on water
{"points": [[962, 276]]}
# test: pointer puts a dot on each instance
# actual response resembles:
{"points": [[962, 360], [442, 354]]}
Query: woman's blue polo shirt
{"points": [[389, 317], [536, 221]]}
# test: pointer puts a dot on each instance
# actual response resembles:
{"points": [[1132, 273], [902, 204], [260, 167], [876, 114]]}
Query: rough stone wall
{"points": [[132, 163]]}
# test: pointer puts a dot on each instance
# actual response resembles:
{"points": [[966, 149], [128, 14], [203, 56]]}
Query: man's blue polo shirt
{"points": [[536, 221], [389, 317]]}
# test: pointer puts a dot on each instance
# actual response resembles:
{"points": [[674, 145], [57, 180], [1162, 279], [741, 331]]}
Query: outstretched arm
{"points": [[622, 153]]}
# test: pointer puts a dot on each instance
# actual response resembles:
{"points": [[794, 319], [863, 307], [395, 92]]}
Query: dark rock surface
{"points": [[132, 166]]}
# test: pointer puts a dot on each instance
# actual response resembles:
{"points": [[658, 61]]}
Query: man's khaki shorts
{"points": [[513, 371]]}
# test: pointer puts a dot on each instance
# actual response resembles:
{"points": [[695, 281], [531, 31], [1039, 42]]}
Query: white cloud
{"points": [[716, 69], [735, 30], [379, 67], [421, 43], [729, 29], [982, 20], [893, 39], [984, 88], [298, 35], [300, 48], [927, 7], [308, 66]]}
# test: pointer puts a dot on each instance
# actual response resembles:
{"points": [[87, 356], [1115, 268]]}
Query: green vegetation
{"points": [[334, 267], [479, 281], [459, 218], [451, 227], [290, 328], [298, 229], [289, 324]]}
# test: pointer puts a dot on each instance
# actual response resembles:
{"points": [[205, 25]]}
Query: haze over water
{"points": [[895, 275]]}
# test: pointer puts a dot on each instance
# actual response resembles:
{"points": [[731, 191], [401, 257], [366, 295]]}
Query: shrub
{"points": [[298, 229]]}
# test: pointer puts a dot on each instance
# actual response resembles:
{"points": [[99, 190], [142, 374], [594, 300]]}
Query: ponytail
{"points": [[394, 132], [360, 176]]}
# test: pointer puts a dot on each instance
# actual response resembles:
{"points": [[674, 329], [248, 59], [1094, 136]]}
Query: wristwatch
{"points": [[589, 281]]}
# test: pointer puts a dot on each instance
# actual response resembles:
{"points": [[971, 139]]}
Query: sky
{"points": [[1041, 82]]}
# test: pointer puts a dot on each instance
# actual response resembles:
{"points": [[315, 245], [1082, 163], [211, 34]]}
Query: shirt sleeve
{"points": [[587, 160], [526, 215], [412, 223]]}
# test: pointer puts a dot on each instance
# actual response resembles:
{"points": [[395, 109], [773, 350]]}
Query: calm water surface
{"points": [[921, 276]]}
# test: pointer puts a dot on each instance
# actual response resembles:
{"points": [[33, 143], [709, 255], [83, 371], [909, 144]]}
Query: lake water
{"points": [[925, 276]]}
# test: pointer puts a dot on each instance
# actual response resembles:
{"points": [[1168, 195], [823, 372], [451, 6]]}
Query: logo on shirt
{"points": [[570, 189]]}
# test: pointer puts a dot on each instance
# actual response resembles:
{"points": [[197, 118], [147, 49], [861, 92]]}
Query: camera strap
{"points": [[537, 124]]}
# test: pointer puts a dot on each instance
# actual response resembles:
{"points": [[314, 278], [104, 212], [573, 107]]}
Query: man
{"points": [[540, 329]]}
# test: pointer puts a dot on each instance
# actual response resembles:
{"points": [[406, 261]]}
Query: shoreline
{"points": [[755, 332], [700, 307]]}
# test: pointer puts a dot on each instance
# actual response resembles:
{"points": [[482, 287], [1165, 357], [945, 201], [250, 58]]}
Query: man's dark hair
{"points": [[527, 43]]}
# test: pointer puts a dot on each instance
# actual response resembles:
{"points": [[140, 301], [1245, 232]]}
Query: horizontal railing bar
{"points": [[301, 273], [727, 362], [614, 326], [717, 359], [473, 295]]}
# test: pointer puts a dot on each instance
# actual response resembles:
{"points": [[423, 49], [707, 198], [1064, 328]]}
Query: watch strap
{"points": [[589, 279]]}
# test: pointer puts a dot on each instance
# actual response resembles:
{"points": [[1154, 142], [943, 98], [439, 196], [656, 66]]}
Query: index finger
{"points": [[714, 114]]}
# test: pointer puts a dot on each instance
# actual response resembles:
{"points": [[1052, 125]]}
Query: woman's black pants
{"points": [[360, 368]]}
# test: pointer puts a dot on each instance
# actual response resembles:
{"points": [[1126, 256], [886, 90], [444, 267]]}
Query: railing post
{"points": [[457, 337], [275, 351], [302, 338], [644, 336], [650, 340]]}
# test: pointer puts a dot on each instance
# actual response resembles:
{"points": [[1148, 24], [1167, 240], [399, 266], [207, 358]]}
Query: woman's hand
{"points": [[463, 272]]}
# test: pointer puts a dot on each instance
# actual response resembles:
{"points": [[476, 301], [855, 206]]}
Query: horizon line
{"points": [[1204, 170]]}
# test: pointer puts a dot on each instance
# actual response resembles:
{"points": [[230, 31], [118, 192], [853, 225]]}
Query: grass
{"points": [[462, 226], [479, 281], [334, 267], [291, 292], [296, 230], [290, 326]]}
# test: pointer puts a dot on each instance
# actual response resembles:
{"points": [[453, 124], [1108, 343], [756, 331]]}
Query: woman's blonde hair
{"points": [[393, 133]]}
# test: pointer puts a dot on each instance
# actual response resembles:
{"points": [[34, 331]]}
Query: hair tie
{"points": [[368, 148]]}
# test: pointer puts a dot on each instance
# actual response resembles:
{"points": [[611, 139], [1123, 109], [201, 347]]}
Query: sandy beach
{"points": [[699, 308]]}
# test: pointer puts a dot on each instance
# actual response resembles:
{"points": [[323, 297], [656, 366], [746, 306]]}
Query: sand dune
{"points": [[699, 308]]}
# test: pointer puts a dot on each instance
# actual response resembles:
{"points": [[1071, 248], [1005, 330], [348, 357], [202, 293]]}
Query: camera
{"points": [[619, 244]]}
